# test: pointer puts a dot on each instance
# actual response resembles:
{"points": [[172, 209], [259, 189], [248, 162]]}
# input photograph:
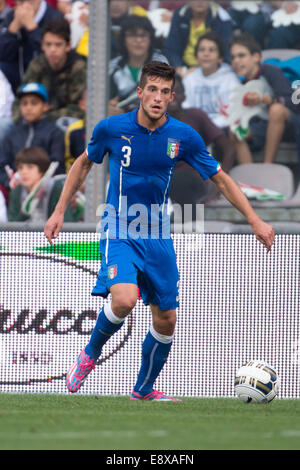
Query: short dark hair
{"points": [[214, 37], [157, 69], [248, 41], [58, 26], [34, 155]]}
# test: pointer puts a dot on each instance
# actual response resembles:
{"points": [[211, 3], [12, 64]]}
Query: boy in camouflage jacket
{"points": [[61, 70]]}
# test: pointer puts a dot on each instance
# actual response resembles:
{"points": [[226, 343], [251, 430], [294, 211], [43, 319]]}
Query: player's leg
{"points": [[155, 352], [112, 316], [110, 320], [159, 288], [117, 276]]}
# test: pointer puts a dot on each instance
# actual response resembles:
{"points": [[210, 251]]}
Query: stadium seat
{"points": [[267, 175], [281, 54]]}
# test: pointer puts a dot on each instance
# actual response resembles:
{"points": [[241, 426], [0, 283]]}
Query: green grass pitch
{"points": [[70, 422]]}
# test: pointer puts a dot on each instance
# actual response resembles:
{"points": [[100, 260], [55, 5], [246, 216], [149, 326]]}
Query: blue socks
{"points": [[107, 324], [155, 348], [155, 351]]}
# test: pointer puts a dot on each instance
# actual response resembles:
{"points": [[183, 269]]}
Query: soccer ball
{"points": [[256, 382]]}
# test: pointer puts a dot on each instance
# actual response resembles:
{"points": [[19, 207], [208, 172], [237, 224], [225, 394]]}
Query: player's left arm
{"points": [[263, 231]]}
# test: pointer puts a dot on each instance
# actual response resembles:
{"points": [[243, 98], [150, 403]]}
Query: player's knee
{"points": [[125, 303], [165, 321]]}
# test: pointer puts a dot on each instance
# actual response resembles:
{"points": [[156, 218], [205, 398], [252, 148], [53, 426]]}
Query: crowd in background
{"points": [[216, 50]]}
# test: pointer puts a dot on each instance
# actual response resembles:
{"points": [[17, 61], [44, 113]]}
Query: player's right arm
{"points": [[76, 176]]}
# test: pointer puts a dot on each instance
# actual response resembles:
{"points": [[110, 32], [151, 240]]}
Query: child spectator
{"points": [[274, 120], [20, 37], [34, 129], [191, 21], [32, 164], [187, 185], [212, 82], [119, 10], [137, 39], [61, 70]]}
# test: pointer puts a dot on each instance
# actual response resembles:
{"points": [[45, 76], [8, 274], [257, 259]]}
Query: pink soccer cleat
{"points": [[152, 396], [77, 374]]}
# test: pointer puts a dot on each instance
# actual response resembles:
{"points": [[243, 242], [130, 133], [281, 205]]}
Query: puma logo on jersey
{"points": [[127, 138]]}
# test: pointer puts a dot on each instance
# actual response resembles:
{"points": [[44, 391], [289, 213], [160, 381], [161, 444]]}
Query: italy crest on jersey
{"points": [[112, 271], [173, 148]]}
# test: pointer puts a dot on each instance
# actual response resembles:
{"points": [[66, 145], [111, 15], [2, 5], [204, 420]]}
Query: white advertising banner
{"points": [[236, 303]]}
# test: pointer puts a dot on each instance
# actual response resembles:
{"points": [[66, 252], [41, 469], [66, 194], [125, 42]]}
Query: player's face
{"points": [[29, 174], [243, 62], [208, 57], [155, 97]]}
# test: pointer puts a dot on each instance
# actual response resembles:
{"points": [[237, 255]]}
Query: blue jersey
{"points": [[141, 163]]}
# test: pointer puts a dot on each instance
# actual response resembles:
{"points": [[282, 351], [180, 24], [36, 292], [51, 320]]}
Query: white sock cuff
{"points": [[111, 316], [161, 338]]}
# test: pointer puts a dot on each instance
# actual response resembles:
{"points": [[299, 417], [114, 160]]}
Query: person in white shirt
{"points": [[209, 86]]}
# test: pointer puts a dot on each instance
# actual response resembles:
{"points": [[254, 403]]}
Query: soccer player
{"points": [[143, 147]]}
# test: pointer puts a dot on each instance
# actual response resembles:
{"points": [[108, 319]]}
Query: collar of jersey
{"points": [[158, 129]]}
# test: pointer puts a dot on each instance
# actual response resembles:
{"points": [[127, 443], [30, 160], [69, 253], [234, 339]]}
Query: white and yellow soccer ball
{"points": [[256, 382]]}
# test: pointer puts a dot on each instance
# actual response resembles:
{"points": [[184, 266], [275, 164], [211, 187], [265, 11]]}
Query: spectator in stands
{"points": [[119, 10], [32, 164], [188, 186], [137, 38], [190, 22], [75, 137], [20, 37], [284, 36], [61, 70], [274, 122], [4, 10], [212, 81], [34, 129], [249, 18], [77, 13], [6, 100]]}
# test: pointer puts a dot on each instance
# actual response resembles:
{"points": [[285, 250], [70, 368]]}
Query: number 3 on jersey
{"points": [[126, 155]]}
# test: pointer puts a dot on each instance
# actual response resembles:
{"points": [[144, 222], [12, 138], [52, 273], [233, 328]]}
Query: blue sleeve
{"points": [[97, 147], [199, 158]]}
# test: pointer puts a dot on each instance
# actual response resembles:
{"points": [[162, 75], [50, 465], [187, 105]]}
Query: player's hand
{"points": [[53, 226], [264, 233]]}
